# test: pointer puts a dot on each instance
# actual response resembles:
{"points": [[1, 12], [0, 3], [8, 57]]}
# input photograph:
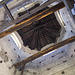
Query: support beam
{"points": [[41, 53], [8, 12], [27, 15], [33, 11], [33, 18]]}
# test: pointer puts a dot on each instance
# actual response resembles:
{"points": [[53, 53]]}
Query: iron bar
{"points": [[36, 28]]}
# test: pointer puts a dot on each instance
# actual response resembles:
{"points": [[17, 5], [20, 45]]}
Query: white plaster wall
{"points": [[6, 67], [63, 59]]}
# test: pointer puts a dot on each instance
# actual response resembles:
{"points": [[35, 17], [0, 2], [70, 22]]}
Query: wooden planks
{"points": [[41, 53], [33, 18], [47, 30]]}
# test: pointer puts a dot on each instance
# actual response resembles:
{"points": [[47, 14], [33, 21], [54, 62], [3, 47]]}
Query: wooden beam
{"points": [[33, 11], [27, 14], [33, 18], [41, 53]]}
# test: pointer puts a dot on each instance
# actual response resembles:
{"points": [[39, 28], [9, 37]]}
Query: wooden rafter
{"points": [[33, 18], [41, 53], [33, 11]]}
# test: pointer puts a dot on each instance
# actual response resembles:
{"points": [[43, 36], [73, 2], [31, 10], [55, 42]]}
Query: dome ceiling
{"points": [[41, 33]]}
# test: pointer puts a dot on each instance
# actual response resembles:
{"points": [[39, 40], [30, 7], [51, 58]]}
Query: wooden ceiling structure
{"points": [[68, 4], [28, 21], [41, 33]]}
